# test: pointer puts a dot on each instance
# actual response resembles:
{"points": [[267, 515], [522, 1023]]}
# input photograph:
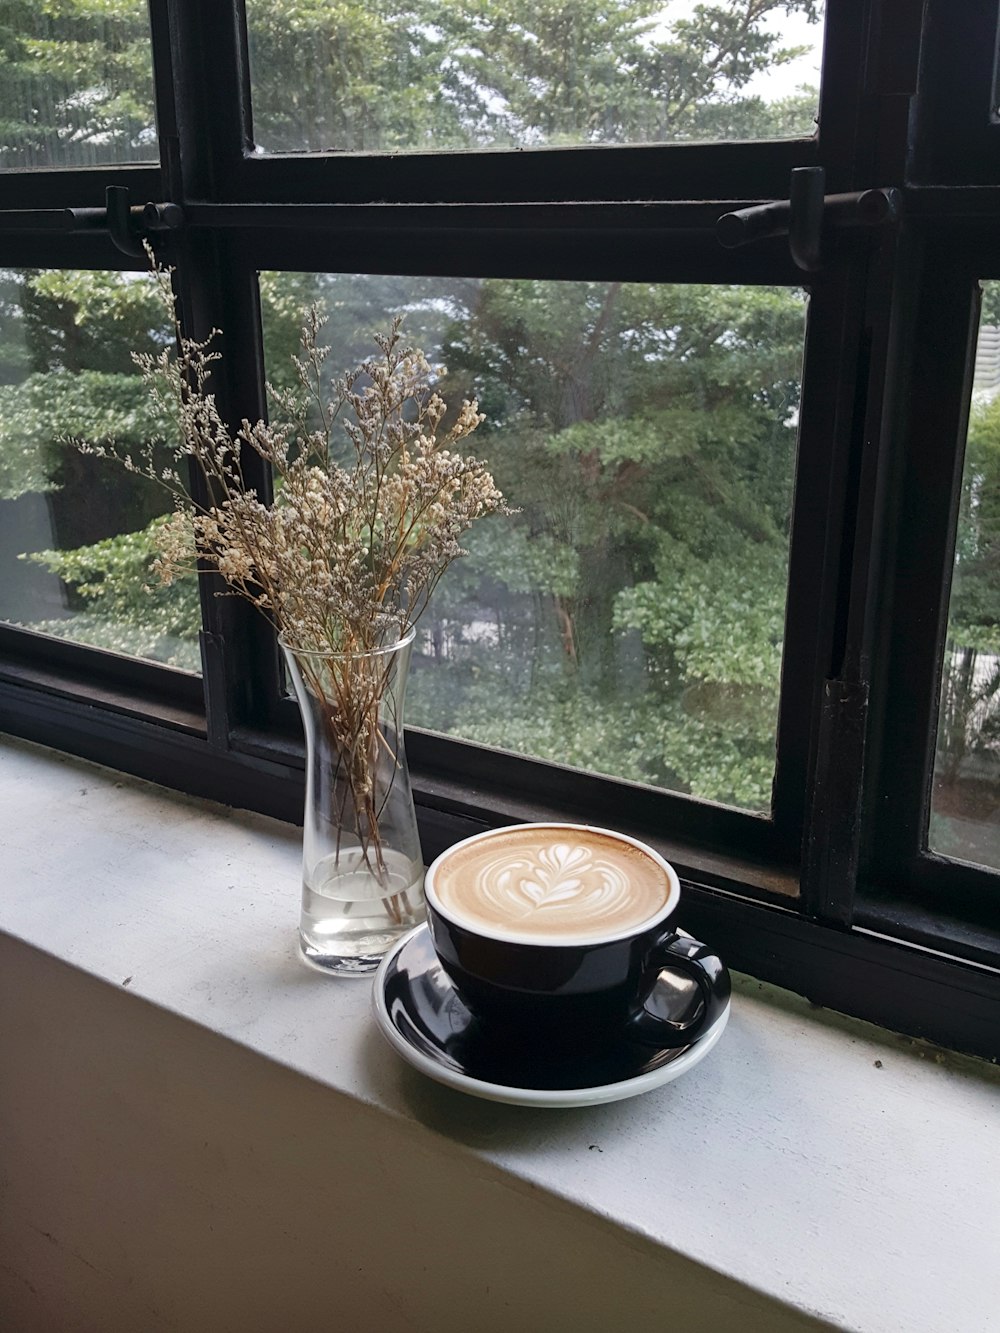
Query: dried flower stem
{"points": [[371, 498]]}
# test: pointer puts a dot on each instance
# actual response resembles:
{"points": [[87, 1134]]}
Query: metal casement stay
{"points": [[125, 223], [804, 215]]}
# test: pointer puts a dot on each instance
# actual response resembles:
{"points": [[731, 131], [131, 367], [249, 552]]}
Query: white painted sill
{"points": [[842, 1171]]}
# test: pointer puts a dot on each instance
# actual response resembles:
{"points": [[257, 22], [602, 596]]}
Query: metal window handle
{"points": [[126, 224], [118, 218], [803, 215]]}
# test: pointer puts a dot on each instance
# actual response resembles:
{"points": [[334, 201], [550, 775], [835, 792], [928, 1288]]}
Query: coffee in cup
{"points": [[545, 887], [550, 929]]}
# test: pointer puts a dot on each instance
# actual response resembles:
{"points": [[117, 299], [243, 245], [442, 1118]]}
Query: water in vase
{"points": [[350, 916]]}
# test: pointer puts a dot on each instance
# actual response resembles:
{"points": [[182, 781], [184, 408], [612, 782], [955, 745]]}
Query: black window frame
{"points": [[834, 895]]}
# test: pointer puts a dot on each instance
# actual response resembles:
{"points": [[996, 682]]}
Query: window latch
{"points": [[803, 216], [126, 224]]}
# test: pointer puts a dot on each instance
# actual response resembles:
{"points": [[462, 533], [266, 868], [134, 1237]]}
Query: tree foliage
{"points": [[969, 716], [75, 83], [125, 609], [647, 433], [499, 73], [76, 75]]}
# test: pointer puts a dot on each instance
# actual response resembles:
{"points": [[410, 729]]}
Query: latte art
{"points": [[538, 883], [562, 879]]}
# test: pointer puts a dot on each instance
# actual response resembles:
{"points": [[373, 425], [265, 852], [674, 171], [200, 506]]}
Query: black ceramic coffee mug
{"points": [[567, 931]]}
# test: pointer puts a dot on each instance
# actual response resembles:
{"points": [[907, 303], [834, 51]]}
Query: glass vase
{"points": [[362, 871]]}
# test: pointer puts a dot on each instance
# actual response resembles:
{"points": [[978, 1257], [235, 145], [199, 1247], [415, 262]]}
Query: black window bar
{"points": [[803, 217], [125, 223]]}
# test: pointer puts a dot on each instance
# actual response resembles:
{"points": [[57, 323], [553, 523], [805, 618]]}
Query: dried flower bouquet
{"points": [[371, 497]]}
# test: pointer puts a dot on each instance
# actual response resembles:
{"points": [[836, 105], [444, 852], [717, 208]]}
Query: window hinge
{"points": [[803, 216], [832, 848]]}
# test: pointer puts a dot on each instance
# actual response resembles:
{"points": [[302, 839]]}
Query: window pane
{"points": [[628, 620], [364, 77], [965, 805], [76, 531], [76, 83]]}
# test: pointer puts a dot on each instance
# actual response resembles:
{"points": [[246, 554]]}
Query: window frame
{"points": [[812, 898], [956, 125], [951, 902]]}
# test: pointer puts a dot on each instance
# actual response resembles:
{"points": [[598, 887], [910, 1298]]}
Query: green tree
{"points": [[132, 612], [76, 82], [485, 73], [66, 372], [646, 431], [969, 718], [572, 71], [76, 75]]}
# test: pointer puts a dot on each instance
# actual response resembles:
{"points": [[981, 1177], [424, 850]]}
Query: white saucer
{"points": [[426, 1022]]}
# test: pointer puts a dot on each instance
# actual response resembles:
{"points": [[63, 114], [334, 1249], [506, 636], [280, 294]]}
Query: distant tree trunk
{"points": [[957, 703], [567, 630]]}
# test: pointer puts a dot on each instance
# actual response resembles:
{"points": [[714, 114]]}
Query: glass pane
{"points": [[965, 803], [76, 83], [371, 76], [628, 620], [76, 531]]}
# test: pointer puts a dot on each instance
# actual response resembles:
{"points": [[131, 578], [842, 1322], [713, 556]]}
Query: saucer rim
{"points": [[512, 1095]]}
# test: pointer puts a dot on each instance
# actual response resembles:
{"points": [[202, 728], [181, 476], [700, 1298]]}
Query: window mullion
{"points": [[202, 106], [238, 649], [832, 841], [930, 446], [831, 356], [211, 92]]}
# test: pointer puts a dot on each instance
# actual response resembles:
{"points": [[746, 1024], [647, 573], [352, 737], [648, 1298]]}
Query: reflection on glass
{"points": [[76, 83], [76, 532], [628, 621], [364, 77], [965, 805]]}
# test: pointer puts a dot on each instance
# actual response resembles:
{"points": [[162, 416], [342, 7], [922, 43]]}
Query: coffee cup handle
{"points": [[680, 953]]}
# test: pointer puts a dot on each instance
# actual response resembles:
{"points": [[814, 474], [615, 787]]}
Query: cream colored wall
{"points": [[155, 1176]]}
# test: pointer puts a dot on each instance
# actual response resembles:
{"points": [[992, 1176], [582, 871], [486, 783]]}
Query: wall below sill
{"points": [[198, 1133]]}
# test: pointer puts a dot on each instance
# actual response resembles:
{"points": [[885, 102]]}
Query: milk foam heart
{"points": [[546, 883]]}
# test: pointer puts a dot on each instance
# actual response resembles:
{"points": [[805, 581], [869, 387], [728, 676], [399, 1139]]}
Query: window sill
{"points": [[799, 1172]]}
